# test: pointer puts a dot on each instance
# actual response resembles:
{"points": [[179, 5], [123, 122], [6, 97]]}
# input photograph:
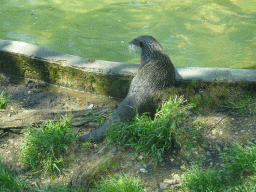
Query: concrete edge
{"points": [[108, 68]]}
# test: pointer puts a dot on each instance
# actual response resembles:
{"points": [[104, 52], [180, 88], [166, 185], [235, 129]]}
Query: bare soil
{"points": [[35, 102]]}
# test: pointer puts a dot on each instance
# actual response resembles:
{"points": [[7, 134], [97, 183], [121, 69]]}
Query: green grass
{"points": [[60, 188], [237, 159], [4, 100], [8, 182], [99, 118], [240, 158], [126, 183], [44, 147], [245, 105], [152, 137], [196, 179], [207, 96]]}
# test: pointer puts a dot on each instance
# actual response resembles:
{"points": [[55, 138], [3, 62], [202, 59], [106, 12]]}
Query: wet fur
{"points": [[156, 72]]}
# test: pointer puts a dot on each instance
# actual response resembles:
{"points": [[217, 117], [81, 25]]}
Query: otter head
{"points": [[148, 48]]}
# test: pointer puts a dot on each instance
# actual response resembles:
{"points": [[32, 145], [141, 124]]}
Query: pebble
{"points": [[163, 185], [171, 183], [143, 170], [90, 106]]}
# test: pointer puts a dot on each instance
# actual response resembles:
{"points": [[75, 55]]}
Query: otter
{"points": [[156, 72]]}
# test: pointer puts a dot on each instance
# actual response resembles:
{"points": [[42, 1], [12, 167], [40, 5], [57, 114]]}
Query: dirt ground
{"points": [[35, 102]]}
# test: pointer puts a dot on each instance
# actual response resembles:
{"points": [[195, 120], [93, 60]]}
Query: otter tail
{"points": [[125, 112]]}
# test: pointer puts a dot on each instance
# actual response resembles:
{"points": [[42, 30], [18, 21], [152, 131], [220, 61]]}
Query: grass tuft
{"points": [[238, 174], [152, 136], [245, 105], [125, 183], [197, 179], [43, 147], [4, 100], [8, 182]]}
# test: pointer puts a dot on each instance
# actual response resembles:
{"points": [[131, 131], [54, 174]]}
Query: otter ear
{"points": [[141, 44]]}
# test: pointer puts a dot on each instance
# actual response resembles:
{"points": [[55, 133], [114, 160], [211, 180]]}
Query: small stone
{"points": [[242, 131], [143, 170], [175, 186], [169, 181], [183, 167], [163, 185], [176, 176], [18, 171], [90, 106]]}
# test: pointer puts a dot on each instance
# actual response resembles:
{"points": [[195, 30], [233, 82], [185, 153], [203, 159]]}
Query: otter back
{"points": [[156, 72]]}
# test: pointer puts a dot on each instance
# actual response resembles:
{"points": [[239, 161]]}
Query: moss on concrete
{"points": [[35, 68], [206, 96], [200, 93]]}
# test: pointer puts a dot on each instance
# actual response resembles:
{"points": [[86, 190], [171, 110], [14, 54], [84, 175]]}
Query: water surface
{"points": [[217, 33]]}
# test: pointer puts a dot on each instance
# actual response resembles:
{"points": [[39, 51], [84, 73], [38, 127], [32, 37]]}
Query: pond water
{"points": [[217, 33]]}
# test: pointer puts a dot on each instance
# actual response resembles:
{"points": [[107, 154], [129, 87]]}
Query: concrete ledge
{"points": [[217, 74], [105, 77]]}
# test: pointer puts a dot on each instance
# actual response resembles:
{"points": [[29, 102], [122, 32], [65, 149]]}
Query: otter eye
{"points": [[141, 44]]}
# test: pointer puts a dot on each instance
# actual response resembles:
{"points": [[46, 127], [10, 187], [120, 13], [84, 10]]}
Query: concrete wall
{"points": [[97, 76]]}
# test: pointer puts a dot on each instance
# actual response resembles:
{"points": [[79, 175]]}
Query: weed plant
{"points": [[11, 183], [245, 105], [122, 183], [60, 188], [44, 147], [237, 159], [8, 182], [240, 158], [206, 96], [107, 164], [152, 137], [207, 180], [100, 119], [4, 100]]}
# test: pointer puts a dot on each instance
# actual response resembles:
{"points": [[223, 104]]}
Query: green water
{"points": [[194, 33]]}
